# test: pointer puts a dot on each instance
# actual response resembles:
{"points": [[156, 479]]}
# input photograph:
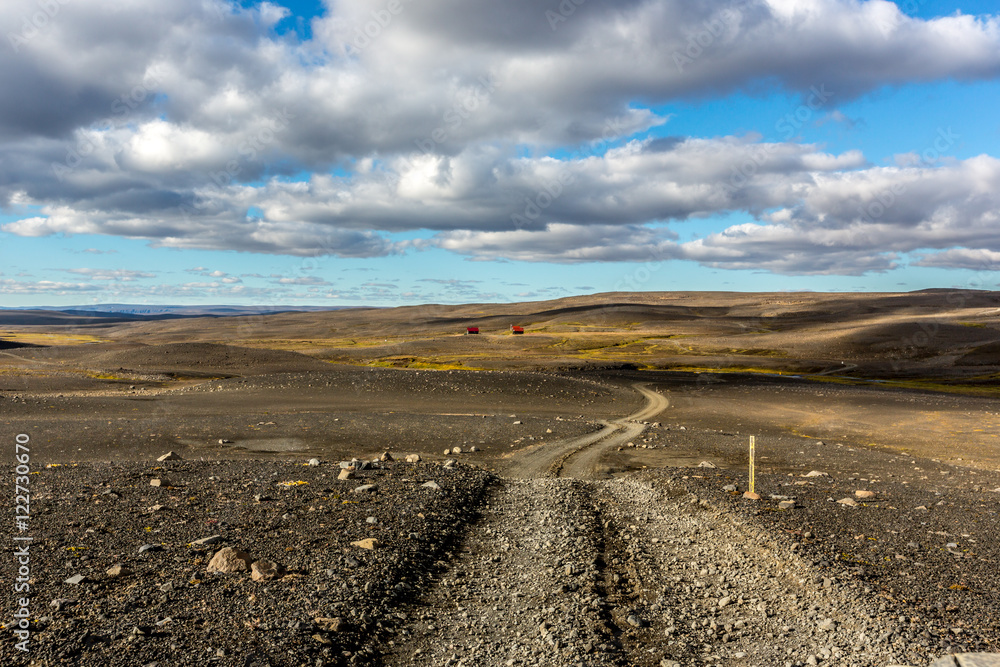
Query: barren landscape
{"points": [[587, 500]]}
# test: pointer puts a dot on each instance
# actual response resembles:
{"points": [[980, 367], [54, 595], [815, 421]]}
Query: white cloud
{"points": [[123, 275], [962, 258], [171, 121]]}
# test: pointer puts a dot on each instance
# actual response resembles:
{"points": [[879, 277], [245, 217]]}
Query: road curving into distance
{"points": [[580, 457]]}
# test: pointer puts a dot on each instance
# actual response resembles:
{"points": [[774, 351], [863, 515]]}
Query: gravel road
{"points": [[536, 567], [579, 456]]}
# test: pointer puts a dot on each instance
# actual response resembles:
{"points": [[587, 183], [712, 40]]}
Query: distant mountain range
{"points": [[122, 312]]}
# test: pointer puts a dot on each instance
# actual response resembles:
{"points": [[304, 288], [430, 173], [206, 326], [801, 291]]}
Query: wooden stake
{"points": [[752, 448]]}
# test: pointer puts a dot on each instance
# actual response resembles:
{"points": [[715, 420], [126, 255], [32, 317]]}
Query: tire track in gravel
{"points": [[627, 571], [705, 588], [525, 589], [530, 585], [579, 457]]}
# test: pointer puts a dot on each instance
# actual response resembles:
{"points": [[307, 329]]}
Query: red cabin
{"points": [[516, 329], [472, 330]]}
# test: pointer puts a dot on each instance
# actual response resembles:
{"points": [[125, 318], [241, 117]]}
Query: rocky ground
{"points": [[167, 608], [665, 567], [601, 521]]}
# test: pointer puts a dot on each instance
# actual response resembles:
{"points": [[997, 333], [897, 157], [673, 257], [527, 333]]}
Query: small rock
{"points": [[162, 481], [329, 624], [170, 456], [365, 488], [313, 463], [816, 473], [724, 601], [921, 508], [413, 458], [864, 494], [850, 502], [750, 495], [473, 449], [61, 603], [447, 451], [386, 456], [786, 505], [434, 486], [229, 559], [518, 422], [76, 580], [634, 621], [118, 571], [208, 541], [346, 473], [450, 463], [456, 450], [730, 487], [149, 548], [265, 570], [706, 464], [367, 543], [225, 441]]}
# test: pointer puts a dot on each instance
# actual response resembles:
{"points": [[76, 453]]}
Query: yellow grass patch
{"points": [[49, 339]]}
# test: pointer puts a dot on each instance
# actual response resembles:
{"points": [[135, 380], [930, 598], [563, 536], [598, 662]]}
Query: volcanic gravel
{"points": [[662, 568], [169, 610]]}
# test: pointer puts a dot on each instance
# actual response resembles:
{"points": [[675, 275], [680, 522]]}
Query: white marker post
{"points": [[752, 452]]}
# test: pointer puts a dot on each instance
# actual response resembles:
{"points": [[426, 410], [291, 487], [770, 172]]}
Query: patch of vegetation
{"points": [[107, 376], [49, 339]]}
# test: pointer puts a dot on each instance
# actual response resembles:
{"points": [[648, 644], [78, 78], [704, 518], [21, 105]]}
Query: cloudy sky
{"points": [[387, 152]]}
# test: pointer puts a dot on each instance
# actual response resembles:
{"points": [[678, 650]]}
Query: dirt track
{"points": [[578, 457], [585, 463]]}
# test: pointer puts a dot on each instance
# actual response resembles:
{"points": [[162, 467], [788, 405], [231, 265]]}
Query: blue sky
{"points": [[344, 154]]}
